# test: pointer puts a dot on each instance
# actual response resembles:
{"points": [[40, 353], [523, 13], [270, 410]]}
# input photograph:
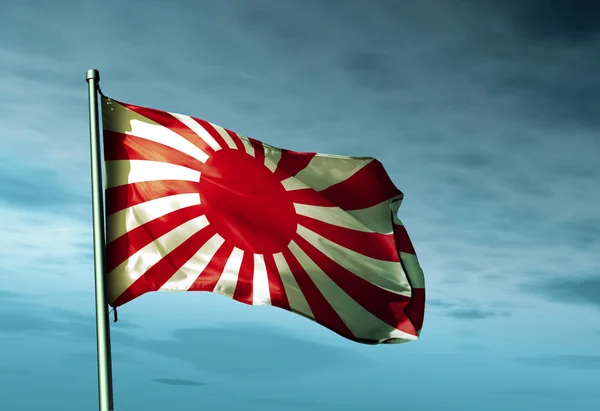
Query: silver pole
{"points": [[105, 394]]}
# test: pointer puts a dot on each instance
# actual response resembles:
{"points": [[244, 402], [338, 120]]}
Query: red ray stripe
{"points": [[259, 150], [403, 242], [164, 269], [416, 308], [211, 130], [389, 307], [367, 187], [236, 140], [128, 195], [276, 289], [291, 163], [243, 289], [167, 120], [209, 277], [374, 245], [323, 312], [131, 242], [118, 146], [308, 196]]}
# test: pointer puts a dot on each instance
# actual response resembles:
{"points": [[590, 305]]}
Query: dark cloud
{"points": [[437, 303], [568, 20], [279, 24], [179, 382], [465, 310], [568, 289], [232, 349], [574, 362], [22, 315], [474, 314], [584, 232], [372, 69], [534, 59], [251, 350], [472, 160]]}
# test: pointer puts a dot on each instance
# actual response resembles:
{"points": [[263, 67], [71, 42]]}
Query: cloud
{"points": [[583, 290], [579, 362], [437, 303], [24, 314], [179, 382], [472, 347], [549, 393], [230, 349], [35, 188], [568, 20], [466, 309], [9, 295], [474, 314], [250, 349], [371, 69], [484, 120], [46, 244], [301, 404]]}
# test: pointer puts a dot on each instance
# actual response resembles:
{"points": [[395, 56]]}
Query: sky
{"points": [[486, 115]]}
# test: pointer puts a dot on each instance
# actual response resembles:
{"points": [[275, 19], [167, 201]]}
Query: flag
{"points": [[191, 206]]}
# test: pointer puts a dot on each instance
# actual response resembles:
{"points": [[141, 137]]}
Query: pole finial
{"points": [[92, 74]]}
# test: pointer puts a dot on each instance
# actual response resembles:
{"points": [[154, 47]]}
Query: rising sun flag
{"points": [[186, 205], [191, 206]]}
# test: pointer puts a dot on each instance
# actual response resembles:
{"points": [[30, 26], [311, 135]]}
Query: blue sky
{"points": [[486, 115]]}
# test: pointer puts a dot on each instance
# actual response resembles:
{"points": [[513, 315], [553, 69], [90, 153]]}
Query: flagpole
{"points": [[105, 394]]}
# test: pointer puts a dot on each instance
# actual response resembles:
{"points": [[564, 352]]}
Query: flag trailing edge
{"points": [[191, 206]]}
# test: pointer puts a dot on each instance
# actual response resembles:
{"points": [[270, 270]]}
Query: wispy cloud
{"points": [[485, 114], [251, 349], [571, 289], [37, 188], [467, 309], [179, 382], [549, 393], [579, 362], [474, 314], [52, 247]]}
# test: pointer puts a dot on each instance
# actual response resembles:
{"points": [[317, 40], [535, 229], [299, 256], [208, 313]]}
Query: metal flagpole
{"points": [[105, 394]]}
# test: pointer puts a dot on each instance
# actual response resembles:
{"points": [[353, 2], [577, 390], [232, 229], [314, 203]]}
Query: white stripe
{"points": [[413, 270], [120, 119], [198, 129], [183, 279], [121, 172], [331, 215], [139, 263], [378, 217], [295, 297], [225, 136], [126, 220], [228, 280], [292, 183], [360, 321], [323, 171], [247, 145], [272, 157], [385, 274], [260, 282]]}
